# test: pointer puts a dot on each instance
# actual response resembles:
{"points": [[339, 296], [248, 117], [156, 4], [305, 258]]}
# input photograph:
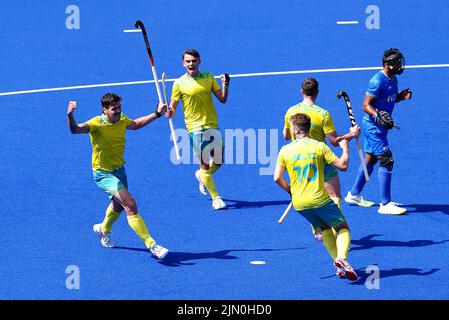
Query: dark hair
{"points": [[109, 98], [191, 52], [301, 121], [310, 87]]}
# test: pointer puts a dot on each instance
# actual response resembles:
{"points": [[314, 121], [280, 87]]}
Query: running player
{"points": [[322, 126], [195, 90], [107, 135], [305, 159]]}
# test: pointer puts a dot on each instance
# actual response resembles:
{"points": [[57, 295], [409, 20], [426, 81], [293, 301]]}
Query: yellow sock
{"points": [[329, 242], [208, 181], [110, 217], [213, 167], [337, 201], [343, 243], [138, 225]]}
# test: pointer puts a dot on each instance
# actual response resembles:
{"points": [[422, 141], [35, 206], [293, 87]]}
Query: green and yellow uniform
{"points": [[321, 124], [304, 159], [200, 116], [108, 142], [196, 96], [108, 146]]}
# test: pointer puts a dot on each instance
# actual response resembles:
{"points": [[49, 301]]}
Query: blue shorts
{"points": [[330, 172], [111, 182], [325, 216], [375, 140], [206, 140]]}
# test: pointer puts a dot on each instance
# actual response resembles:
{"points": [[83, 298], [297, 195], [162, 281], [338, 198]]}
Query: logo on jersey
{"points": [[392, 98]]}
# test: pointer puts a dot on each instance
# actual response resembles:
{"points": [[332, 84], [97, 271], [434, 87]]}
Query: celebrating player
{"points": [[305, 159], [107, 135], [322, 127], [378, 105], [195, 89]]}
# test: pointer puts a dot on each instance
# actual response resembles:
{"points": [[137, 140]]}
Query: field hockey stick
{"points": [[352, 119], [170, 121], [139, 24], [282, 218]]}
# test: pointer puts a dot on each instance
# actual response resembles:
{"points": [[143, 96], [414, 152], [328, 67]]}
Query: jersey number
{"points": [[304, 172]]}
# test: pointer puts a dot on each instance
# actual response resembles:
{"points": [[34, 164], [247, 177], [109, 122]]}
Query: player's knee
{"points": [[131, 206], [386, 161], [343, 225], [116, 206]]}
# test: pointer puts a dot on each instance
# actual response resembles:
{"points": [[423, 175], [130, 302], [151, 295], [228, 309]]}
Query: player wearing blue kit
{"points": [[380, 98]]}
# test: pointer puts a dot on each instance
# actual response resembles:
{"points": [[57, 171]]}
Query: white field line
{"points": [[348, 22], [132, 30], [241, 75]]}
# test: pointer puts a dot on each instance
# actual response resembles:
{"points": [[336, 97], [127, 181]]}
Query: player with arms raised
{"points": [[107, 134], [195, 90]]}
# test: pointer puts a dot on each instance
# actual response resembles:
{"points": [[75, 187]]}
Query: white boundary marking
{"points": [[257, 262], [241, 75], [132, 30], [348, 22]]}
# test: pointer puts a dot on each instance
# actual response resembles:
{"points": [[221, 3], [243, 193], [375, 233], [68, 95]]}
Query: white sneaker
{"points": [[201, 185], [358, 200], [391, 208], [105, 238], [218, 204], [158, 251]]}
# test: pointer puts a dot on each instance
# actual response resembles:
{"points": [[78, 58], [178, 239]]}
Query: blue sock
{"points": [[360, 180], [384, 176]]}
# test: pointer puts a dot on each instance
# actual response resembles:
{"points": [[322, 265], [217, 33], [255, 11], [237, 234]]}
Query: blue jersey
{"points": [[385, 91]]}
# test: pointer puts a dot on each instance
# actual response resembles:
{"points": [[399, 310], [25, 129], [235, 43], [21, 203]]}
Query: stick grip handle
{"points": [[351, 114]]}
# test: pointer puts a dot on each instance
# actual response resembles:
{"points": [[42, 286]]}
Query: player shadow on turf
{"points": [[363, 276], [427, 208], [368, 242], [239, 204], [177, 259]]}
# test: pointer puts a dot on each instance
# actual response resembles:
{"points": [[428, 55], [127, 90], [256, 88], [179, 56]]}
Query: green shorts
{"points": [[330, 172], [206, 140], [111, 182], [322, 217]]}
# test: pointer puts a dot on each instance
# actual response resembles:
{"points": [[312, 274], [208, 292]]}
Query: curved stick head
{"points": [[341, 93], [138, 24]]}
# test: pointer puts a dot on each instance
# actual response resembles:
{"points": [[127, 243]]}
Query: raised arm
{"points": [[342, 162], [143, 121], [335, 138], [222, 95], [73, 126]]}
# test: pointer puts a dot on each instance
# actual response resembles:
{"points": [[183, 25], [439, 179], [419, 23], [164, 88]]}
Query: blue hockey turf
{"points": [[50, 202]]}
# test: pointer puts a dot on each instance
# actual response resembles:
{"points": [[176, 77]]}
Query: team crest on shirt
{"points": [[392, 98]]}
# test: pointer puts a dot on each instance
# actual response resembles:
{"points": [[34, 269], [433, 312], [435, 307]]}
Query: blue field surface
{"points": [[50, 202]]}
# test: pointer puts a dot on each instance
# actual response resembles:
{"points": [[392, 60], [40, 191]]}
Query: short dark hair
{"points": [[310, 87], [301, 121], [191, 52], [109, 98]]}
